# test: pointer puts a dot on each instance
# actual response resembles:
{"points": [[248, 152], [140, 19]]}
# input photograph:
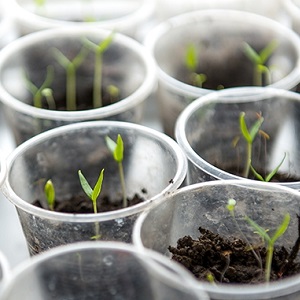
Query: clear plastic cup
{"points": [[219, 35], [126, 65], [153, 164], [102, 270], [204, 205], [207, 128], [126, 16]]}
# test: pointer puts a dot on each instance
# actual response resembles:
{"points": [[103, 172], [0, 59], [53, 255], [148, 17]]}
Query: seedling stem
{"points": [[270, 240], [70, 67], [259, 60], [249, 136], [37, 91], [93, 194], [191, 61], [99, 50], [117, 149], [231, 208]]}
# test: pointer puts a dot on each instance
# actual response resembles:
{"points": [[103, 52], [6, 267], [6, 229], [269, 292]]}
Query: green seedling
{"points": [[113, 92], [271, 174], [86, 9], [259, 60], [270, 240], [249, 135], [231, 208], [37, 92], [191, 62], [70, 67], [50, 194], [39, 3], [93, 195], [117, 149], [210, 278], [99, 50], [48, 94]]}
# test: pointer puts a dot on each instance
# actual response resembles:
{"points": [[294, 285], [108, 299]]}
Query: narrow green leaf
{"points": [[271, 175], [79, 58], [98, 186], [259, 229], [244, 128], [119, 150], [49, 78], [116, 148], [89, 44], [252, 54], [111, 144], [191, 57], [103, 46], [85, 185], [255, 128], [61, 58], [256, 174], [281, 229], [268, 51]]}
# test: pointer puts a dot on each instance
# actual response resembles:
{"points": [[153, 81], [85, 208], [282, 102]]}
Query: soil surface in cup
{"points": [[82, 205], [278, 177], [214, 258], [110, 95], [237, 73], [226, 68]]}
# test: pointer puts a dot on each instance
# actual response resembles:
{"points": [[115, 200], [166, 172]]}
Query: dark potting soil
{"points": [[224, 62], [83, 205], [231, 260], [84, 104], [278, 177], [237, 71]]}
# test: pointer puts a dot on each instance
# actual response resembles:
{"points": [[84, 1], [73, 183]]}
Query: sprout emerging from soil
{"points": [[117, 149], [270, 240], [191, 62], [50, 194]]}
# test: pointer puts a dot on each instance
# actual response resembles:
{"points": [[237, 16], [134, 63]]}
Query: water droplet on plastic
{"points": [[108, 260], [120, 222]]}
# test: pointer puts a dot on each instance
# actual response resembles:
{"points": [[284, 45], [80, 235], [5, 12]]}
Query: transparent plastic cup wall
{"points": [[102, 270], [4, 265], [219, 36], [127, 17], [207, 128], [269, 8], [153, 165], [204, 205], [126, 65]]}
